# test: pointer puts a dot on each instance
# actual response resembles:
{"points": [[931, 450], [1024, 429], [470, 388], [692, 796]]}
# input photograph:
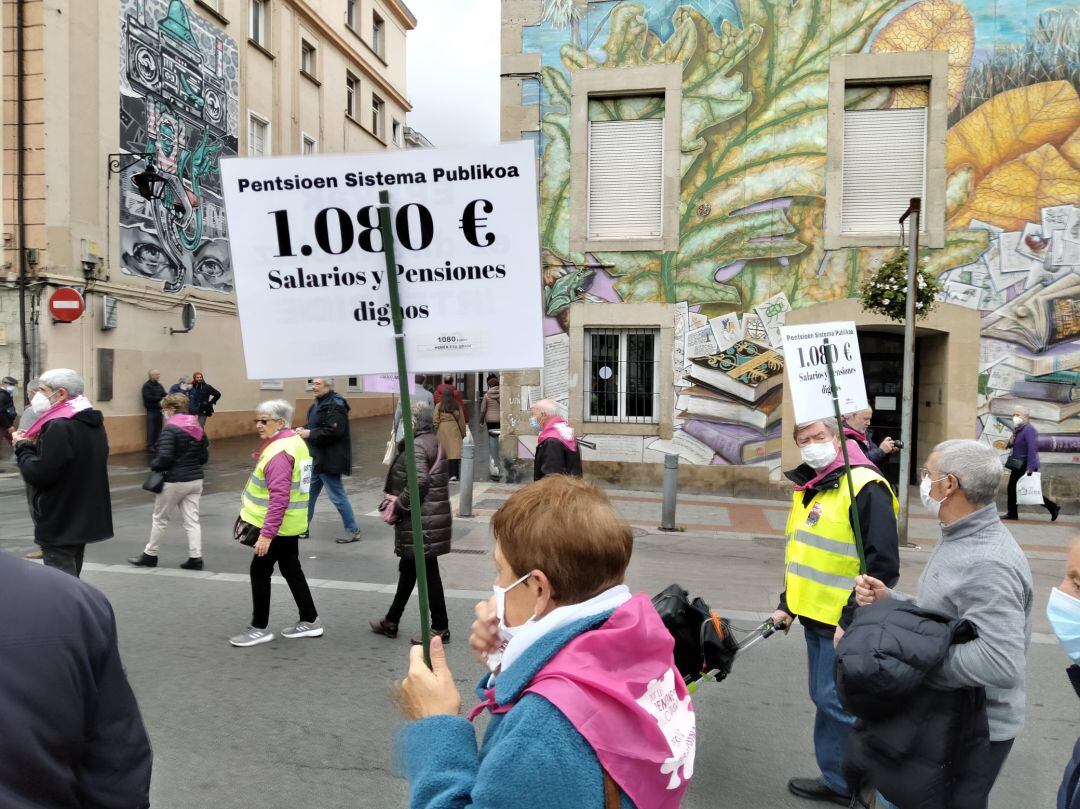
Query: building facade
{"points": [[116, 114], [712, 170]]}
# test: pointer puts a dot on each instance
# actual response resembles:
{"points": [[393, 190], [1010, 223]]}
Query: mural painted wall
{"points": [[179, 80], [751, 204]]}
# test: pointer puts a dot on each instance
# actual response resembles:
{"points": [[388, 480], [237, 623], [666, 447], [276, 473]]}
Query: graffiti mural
{"points": [[179, 80], [751, 206]]}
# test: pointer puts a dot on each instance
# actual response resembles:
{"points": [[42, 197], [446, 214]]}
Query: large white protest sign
{"points": [[806, 361], [310, 270]]}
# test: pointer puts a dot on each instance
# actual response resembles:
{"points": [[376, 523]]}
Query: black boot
{"points": [[143, 560], [193, 563], [384, 627]]}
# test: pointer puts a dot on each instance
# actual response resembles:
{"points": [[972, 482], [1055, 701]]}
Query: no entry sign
{"points": [[806, 359], [66, 305]]}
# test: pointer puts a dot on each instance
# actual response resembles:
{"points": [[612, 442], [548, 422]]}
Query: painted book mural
{"points": [[751, 205], [179, 80]]}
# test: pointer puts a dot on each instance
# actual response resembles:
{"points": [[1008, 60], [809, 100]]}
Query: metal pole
{"points": [[855, 523], [671, 485], [468, 452], [913, 212], [406, 422]]}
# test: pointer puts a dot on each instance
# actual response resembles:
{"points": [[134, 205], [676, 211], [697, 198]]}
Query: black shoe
{"points": [[442, 633], [304, 535], [384, 627], [1010, 516], [1054, 513], [814, 789], [143, 560], [193, 563]]}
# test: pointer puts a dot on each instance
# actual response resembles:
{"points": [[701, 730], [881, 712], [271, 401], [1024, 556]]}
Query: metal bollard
{"points": [[468, 450], [671, 485]]}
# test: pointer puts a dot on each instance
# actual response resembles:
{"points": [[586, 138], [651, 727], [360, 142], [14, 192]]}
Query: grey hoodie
{"points": [[978, 572]]}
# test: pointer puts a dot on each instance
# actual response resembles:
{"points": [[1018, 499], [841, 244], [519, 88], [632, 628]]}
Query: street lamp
{"points": [[148, 182]]}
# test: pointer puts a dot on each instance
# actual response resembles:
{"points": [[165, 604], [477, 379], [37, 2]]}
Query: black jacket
{"points": [[330, 442], [203, 397], [1069, 793], [434, 484], [8, 414], [918, 745], [67, 476], [72, 733], [152, 394], [880, 542], [553, 458], [180, 456]]}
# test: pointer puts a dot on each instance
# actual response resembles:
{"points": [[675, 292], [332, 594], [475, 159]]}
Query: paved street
{"points": [[309, 722]]}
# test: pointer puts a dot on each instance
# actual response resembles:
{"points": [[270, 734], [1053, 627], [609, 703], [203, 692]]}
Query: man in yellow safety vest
{"points": [[821, 562]]}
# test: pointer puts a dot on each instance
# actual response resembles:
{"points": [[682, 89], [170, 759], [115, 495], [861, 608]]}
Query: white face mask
{"points": [[39, 403], [1064, 613], [1017, 421], [506, 633], [818, 455], [929, 503]]}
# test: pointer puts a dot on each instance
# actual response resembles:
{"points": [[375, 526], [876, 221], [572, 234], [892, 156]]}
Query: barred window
{"points": [[622, 375]]}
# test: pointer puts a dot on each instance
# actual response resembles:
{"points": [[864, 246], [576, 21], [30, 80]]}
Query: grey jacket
{"points": [[978, 572]]}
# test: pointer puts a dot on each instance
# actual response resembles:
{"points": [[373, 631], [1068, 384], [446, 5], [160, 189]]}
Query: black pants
{"points": [[153, 428], [1014, 477], [983, 773], [405, 584], [68, 558], [453, 467], [285, 551]]}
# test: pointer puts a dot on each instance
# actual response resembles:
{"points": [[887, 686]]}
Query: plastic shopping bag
{"points": [[1029, 490]]}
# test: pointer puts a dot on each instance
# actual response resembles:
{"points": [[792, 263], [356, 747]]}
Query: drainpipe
{"points": [[20, 172]]}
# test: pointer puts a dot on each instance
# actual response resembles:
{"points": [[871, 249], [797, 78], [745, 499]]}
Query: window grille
{"points": [[622, 376]]}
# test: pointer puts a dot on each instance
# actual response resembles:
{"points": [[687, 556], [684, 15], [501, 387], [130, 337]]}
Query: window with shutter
{"points": [[626, 175], [884, 167]]}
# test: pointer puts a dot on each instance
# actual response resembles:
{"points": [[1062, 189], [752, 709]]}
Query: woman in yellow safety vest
{"points": [[275, 501]]}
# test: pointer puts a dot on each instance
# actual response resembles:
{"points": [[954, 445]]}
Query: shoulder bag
{"points": [[155, 482], [245, 533], [1015, 464]]}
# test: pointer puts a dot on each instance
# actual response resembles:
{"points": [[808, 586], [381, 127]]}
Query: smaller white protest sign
{"points": [[807, 353]]}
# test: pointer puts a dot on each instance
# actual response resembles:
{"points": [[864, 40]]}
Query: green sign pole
{"points": [[386, 226], [847, 463]]}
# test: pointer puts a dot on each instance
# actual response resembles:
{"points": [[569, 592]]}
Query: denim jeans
{"points": [[832, 725], [335, 490]]}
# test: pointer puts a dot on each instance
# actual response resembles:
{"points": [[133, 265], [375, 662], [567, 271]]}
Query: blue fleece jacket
{"points": [[531, 756]]}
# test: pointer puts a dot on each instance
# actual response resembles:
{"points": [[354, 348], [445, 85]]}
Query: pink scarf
{"points": [[851, 432], [632, 708], [855, 456], [61, 410], [555, 427], [188, 423]]}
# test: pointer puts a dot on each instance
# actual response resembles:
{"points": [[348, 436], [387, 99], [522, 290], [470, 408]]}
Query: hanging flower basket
{"points": [[885, 291]]}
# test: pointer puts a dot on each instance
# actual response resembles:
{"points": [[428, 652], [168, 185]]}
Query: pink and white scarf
{"points": [[61, 410]]}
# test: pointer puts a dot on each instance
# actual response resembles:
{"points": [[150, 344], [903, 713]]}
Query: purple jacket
{"points": [[1026, 446], [279, 481]]}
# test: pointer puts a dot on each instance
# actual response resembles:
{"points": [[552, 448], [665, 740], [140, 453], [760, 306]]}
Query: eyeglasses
{"points": [[264, 422]]}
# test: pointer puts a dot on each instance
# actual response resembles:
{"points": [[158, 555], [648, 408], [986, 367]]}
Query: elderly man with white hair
{"points": [[976, 572], [63, 457], [557, 451]]}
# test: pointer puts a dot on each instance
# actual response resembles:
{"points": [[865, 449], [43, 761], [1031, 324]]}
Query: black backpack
{"points": [[703, 640]]}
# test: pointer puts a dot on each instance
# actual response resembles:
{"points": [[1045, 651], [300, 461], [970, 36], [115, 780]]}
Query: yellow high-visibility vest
{"points": [[821, 559], [256, 497]]}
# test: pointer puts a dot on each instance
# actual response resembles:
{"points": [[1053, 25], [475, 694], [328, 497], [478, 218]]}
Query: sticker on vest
{"points": [[676, 720], [814, 515], [305, 476]]}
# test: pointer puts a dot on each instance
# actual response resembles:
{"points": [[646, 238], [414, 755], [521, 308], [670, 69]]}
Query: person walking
{"points": [[152, 394], [64, 459], [29, 416], [275, 501], [822, 561], [1023, 460], [557, 451], [491, 418], [183, 449], [73, 735], [1063, 611], [450, 429], [448, 385], [204, 397], [419, 394], [977, 572], [435, 519], [328, 439], [9, 416]]}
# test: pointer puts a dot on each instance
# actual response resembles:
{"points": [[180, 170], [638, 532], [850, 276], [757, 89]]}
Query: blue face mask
{"points": [[535, 424], [1064, 613]]}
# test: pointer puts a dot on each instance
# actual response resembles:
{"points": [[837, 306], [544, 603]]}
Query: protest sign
{"points": [[806, 361], [309, 264]]}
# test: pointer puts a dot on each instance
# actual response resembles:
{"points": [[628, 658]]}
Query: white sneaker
{"points": [[252, 636], [304, 629], [493, 470]]}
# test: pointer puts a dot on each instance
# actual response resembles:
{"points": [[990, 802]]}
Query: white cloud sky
{"points": [[452, 64]]}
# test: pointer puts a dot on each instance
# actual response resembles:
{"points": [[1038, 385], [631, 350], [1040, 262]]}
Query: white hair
{"points": [[828, 424], [327, 380], [547, 407], [277, 409], [423, 416], [1023, 411], [63, 378], [975, 466]]}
